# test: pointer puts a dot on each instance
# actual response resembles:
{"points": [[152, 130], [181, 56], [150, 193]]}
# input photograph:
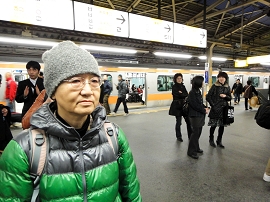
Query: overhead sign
{"points": [[53, 13], [99, 20], [151, 29], [190, 36]]}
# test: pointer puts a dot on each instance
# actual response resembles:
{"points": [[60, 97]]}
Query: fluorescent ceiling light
{"points": [[24, 41], [203, 57], [108, 49], [218, 59], [173, 55], [265, 63]]}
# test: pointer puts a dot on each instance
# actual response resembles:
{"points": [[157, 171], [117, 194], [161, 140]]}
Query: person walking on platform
{"points": [[88, 158], [122, 91], [179, 93], [107, 91], [10, 93], [29, 89], [218, 97], [237, 91], [197, 111], [248, 91]]}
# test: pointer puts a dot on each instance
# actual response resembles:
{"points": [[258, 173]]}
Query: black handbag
{"points": [[228, 114]]}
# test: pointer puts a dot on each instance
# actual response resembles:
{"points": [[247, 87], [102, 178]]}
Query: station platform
{"points": [[167, 174]]}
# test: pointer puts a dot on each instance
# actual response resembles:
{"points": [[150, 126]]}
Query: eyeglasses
{"points": [[79, 82]]}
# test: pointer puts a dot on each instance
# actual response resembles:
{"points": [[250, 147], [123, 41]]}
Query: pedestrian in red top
{"points": [[11, 88]]}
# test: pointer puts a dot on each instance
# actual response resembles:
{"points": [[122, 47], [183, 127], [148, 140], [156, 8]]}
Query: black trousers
{"points": [[246, 103], [194, 146], [119, 100], [178, 126]]}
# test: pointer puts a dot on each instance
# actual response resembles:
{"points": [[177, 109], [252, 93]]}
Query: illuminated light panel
{"points": [[265, 63], [108, 49], [203, 57], [27, 41], [240, 63], [173, 55], [258, 59]]}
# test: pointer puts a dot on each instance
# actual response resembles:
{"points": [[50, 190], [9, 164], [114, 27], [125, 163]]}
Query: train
{"points": [[156, 82]]}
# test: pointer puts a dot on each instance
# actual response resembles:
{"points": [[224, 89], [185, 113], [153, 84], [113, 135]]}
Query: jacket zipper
{"points": [[83, 173]]}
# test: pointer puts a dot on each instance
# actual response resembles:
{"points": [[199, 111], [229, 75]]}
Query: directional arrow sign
{"points": [[121, 19], [189, 36], [99, 20], [168, 28], [150, 29]]}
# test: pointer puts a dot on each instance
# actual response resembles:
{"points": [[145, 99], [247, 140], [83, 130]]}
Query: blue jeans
{"points": [[10, 105], [236, 97]]}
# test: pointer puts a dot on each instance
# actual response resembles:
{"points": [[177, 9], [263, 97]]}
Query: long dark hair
{"points": [[197, 82]]}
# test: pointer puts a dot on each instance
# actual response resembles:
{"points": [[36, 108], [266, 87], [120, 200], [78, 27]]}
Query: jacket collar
{"points": [[45, 119], [219, 84]]}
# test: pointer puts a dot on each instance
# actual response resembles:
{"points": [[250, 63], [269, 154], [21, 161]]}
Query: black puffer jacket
{"points": [[216, 102], [178, 99]]}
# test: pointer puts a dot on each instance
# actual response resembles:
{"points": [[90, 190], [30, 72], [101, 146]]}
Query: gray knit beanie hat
{"points": [[66, 60]]}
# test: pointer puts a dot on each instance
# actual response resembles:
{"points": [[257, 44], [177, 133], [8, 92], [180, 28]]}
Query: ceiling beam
{"points": [[246, 23], [168, 6], [111, 4], [133, 5], [266, 2], [207, 10], [221, 19], [222, 11]]}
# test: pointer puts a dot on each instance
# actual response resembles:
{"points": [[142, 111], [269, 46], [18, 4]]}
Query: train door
{"points": [[137, 90]]}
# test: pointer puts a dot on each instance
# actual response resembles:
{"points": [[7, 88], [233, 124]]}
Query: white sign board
{"points": [[151, 29], [190, 36], [53, 13], [99, 20]]}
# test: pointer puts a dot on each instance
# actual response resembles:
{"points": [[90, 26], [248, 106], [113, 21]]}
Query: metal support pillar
{"points": [[174, 12], [209, 64], [159, 9], [209, 56]]}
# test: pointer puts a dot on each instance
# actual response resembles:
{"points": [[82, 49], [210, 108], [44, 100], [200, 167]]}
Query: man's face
{"points": [[33, 73], [237, 81], [119, 78]]}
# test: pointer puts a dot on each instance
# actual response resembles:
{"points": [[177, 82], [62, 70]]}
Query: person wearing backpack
{"points": [[197, 111], [122, 91], [179, 93], [80, 163], [248, 91]]}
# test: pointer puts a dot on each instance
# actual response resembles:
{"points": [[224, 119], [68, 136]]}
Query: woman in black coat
{"points": [[5, 133], [179, 93], [218, 97], [197, 112]]}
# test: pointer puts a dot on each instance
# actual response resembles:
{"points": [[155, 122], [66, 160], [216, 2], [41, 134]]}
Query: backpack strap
{"points": [[111, 134], [38, 145]]}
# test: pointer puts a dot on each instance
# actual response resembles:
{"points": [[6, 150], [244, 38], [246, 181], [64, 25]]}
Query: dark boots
{"points": [[219, 138]]}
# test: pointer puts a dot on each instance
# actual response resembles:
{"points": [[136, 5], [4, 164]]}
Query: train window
{"points": [[164, 83], [255, 81]]}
